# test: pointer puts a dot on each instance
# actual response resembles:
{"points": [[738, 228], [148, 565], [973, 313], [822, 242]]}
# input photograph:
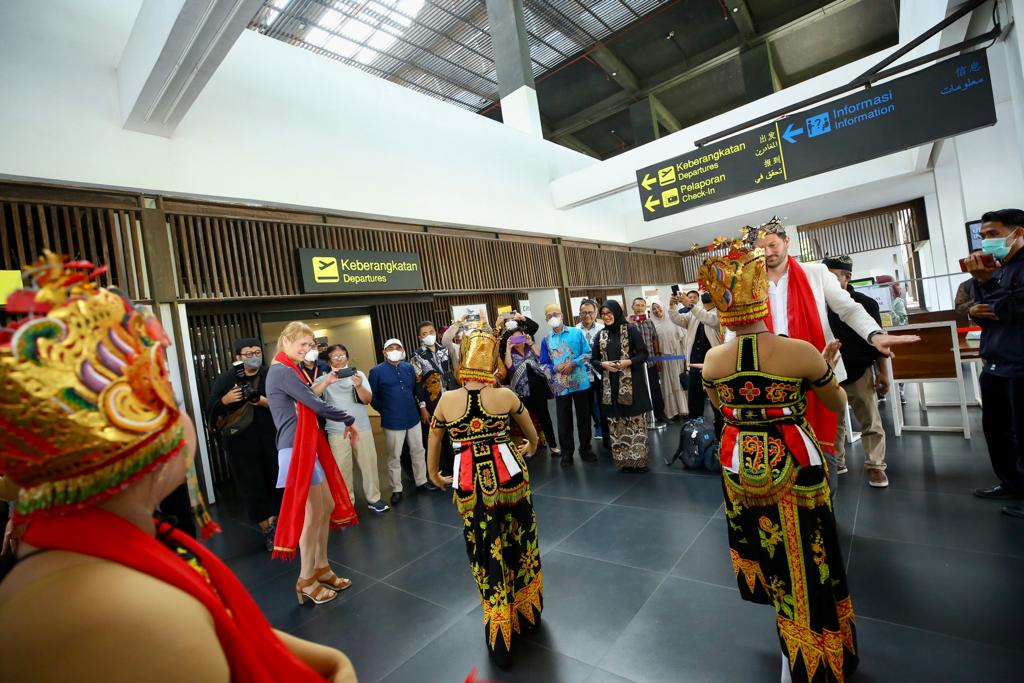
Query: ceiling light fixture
{"points": [[615, 73]]}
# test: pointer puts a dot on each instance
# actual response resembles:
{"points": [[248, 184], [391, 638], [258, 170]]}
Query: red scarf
{"points": [[310, 445], [253, 651], [805, 323]]}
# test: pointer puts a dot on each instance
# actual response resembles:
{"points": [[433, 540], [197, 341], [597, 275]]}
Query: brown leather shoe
{"points": [[877, 478]]}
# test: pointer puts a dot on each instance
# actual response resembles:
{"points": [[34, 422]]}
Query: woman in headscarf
{"points": [[899, 304], [619, 356], [529, 381], [673, 342], [91, 434]]}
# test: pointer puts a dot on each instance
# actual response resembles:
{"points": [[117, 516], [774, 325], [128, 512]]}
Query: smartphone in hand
{"points": [[987, 260]]}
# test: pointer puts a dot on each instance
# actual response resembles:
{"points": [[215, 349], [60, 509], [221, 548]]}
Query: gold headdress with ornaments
{"points": [[86, 404], [478, 356], [738, 281]]}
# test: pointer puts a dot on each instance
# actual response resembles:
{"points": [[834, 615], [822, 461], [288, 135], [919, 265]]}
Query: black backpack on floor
{"points": [[698, 448]]}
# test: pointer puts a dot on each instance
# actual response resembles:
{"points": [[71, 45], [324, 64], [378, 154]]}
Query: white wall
{"points": [[275, 124]]}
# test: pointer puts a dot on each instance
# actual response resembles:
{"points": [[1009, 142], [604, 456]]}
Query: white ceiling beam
{"points": [[174, 48]]}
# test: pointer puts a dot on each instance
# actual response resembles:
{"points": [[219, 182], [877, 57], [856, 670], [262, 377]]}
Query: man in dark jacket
{"points": [[237, 410], [999, 310], [865, 374]]}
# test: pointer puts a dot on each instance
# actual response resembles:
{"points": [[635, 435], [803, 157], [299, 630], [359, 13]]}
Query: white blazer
{"points": [[829, 294]]}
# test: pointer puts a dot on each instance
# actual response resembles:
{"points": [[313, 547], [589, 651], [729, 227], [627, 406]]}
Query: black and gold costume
{"points": [[782, 532]]}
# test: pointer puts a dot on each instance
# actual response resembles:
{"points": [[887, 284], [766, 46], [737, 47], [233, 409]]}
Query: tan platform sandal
{"points": [[327, 577], [319, 596]]}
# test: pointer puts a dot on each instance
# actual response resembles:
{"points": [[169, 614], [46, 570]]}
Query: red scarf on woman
{"points": [[804, 323], [253, 651], [310, 445]]}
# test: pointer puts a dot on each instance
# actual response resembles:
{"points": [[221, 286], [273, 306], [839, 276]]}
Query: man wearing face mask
{"points": [[434, 375], [566, 355], [999, 310], [237, 407], [393, 385]]}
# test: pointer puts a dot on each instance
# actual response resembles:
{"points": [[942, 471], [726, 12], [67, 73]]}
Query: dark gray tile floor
{"points": [[639, 587]]}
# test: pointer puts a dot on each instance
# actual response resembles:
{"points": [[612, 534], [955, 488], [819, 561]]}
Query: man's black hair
{"points": [[335, 347], [640, 298], [1011, 218], [693, 291], [423, 323]]}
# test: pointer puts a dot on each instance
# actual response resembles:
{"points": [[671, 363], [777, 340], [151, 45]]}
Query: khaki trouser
{"points": [[366, 458], [395, 439], [864, 403]]}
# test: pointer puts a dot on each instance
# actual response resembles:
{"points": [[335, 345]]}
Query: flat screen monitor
{"points": [[973, 235]]}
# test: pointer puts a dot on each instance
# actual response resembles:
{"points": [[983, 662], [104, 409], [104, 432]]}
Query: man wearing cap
{"points": [[237, 410], [565, 353], [393, 384], [865, 374]]}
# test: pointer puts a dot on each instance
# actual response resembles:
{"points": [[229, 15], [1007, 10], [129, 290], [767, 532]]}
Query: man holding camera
{"points": [[702, 333], [434, 375], [237, 410], [998, 274]]}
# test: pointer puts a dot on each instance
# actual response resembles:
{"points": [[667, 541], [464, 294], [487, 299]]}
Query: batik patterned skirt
{"points": [[629, 441], [785, 552], [500, 529]]}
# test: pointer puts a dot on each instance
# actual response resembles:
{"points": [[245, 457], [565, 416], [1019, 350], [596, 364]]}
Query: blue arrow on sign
{"points": [[791, 133]]}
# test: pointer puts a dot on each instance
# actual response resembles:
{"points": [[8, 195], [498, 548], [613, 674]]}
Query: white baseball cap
{"points": [[389, 342]]}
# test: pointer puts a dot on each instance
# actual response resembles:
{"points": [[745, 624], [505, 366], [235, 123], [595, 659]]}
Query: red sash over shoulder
{"points": [[253, 651], [804, 323], [310, 445]]}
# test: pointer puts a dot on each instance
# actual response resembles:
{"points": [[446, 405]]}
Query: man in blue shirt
{"points": [[999, 310], [393, 384], [566, 355]]}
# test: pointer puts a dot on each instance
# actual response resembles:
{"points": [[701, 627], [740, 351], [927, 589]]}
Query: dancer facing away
{"points": [[492, 491], [92, 435], [782, 532]]}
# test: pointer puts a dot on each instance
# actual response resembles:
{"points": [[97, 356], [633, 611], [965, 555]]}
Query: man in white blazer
{"points": [[826, 292]]}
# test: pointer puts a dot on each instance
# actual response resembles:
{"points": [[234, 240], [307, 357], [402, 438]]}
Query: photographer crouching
{"points": [[238, 410]]}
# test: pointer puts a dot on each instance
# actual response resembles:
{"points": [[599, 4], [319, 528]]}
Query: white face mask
{"points": [[511, 325], [429, 340], [395, 356], [311, 356], [555, 321]]}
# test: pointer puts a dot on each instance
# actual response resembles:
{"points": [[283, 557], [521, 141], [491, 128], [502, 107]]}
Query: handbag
{"points": [[236, 422], [684, 380]]}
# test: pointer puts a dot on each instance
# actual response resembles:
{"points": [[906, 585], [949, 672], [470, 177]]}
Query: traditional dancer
{"points": [[782, 532], [91, 433], [492, 491]]}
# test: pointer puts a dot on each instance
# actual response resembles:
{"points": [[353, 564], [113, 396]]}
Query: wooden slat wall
{"points": [[233, 258], [398, 321], [443, 305], [212, 336], [588, 267], [890, 226], [107, 233]]}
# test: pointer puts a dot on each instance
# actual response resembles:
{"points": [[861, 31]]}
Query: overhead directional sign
{"points": [[327, 270], [949, 98]]}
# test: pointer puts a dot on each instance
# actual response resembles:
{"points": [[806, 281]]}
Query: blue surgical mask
{"points": [[996, 246], [254, 363]]}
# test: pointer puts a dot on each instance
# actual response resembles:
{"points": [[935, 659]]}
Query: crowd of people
{"points": [[90, 460]]}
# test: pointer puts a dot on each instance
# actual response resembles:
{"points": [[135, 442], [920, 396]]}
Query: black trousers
{"points": [[696, 401], [564, 406], [657, 400], [447, 453], [1002, 418], [537, 404], [253, 461]]}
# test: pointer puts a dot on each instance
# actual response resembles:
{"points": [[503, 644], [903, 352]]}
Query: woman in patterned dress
{"points": [[782, 532], [492, 491], [619, 355]]}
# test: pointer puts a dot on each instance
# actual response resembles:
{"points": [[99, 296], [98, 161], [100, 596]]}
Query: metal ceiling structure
{"points": [[598, 64]]}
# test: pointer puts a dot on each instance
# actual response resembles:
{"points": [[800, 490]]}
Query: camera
{"points": [[342, 373], [248, 385]]}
